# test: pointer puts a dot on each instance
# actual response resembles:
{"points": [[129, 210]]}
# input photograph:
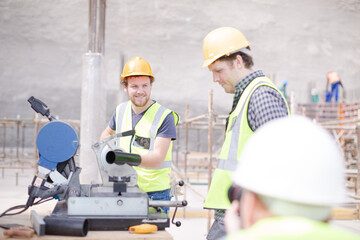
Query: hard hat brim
{"points": [[135, 74], [210, 61]]}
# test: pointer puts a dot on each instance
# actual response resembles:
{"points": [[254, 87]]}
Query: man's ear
{"points": [[124, 88], [239, 63], [252, 204], [252, 210], [247, 209], [260, 209]]}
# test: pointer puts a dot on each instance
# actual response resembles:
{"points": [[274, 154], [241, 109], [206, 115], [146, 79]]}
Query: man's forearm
{"points": [[152, 160], [107, 132], [156, 157]]}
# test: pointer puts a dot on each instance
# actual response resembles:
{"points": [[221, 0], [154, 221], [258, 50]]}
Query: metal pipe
{"points": [[119, 158], [4, 140], [66, 226], [168, 203], [356, 120], [186, 149], [201, 117], [36, 153], [92, 25], [187, 184], [357, 188], [97, 10], [101, 31], [17, 137], [210, 143], [23, 138], [177, 147]]}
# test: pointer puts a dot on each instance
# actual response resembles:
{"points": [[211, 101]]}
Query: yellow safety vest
{"points": [[292, 228], [149, 179], [237, 133]]}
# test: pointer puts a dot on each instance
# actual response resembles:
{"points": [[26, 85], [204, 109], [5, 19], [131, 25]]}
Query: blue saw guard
{"points": [[57, 142]]}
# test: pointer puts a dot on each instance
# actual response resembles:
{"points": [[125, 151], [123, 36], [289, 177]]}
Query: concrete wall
{"points": [[42, 44]]}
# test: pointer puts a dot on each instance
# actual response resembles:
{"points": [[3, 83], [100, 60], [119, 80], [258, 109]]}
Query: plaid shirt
{"points": [[265, 103]]}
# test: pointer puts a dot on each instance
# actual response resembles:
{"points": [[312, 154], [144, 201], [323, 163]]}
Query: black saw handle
{"points": [[40, 107]]}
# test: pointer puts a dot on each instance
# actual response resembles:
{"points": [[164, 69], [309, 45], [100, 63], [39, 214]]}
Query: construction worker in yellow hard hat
{"points": [[154, 127], [228, 56], [286, 189]]}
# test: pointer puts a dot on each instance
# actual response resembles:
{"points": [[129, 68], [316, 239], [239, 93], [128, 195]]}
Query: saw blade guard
{"points": [[107, 169]]}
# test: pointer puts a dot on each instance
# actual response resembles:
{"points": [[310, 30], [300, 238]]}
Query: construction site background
{"points": [[195, 151], [43, 46], [43, 43]]}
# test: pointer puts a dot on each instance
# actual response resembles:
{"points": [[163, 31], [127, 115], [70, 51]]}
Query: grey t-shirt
{"points": [[166, 130]]}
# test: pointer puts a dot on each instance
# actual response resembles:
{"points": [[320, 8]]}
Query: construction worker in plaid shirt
{"points": [[257, 100]]}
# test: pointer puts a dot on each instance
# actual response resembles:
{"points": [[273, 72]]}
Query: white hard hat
{"points": [[293, 159]]}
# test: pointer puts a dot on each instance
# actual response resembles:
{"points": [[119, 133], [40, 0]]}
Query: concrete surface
{"points": [[12, 194]]}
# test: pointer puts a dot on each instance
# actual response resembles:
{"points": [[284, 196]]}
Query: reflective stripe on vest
{"points": [[165, 164], [230, 163], [154, 127], [120, 112], [149, 179], [153, 132]]}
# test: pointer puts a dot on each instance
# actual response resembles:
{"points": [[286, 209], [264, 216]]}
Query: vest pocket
{"points": [[142, 142]]}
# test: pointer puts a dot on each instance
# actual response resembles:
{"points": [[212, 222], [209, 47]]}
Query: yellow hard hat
{"points": [[222, 41], [136, 67]]}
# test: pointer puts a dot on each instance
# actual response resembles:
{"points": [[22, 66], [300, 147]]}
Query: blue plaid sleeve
{"points": [[265, 105]]}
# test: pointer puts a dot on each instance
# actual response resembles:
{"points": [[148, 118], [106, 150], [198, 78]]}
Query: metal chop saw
{"points": [[116, 204]]}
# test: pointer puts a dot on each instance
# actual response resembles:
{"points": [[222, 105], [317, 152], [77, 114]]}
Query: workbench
{"points": [[24, 219]]}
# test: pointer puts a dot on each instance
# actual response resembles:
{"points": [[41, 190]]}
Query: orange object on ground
{"points": [[143, 228], [19, 232]]}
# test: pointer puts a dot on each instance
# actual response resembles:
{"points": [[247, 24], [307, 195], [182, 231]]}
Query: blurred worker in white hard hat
{"points": [[256, 101], [291, 173], [155, 129]]}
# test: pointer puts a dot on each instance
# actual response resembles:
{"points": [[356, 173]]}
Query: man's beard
{"points": [[140, 103]]}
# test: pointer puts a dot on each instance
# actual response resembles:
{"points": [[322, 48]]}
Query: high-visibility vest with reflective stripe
{"points": [[237, 133], [149, 179], [292, 228]]}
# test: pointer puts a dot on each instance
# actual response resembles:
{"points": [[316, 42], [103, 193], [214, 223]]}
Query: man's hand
{"points": [[232, 218], [107, 132]]}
